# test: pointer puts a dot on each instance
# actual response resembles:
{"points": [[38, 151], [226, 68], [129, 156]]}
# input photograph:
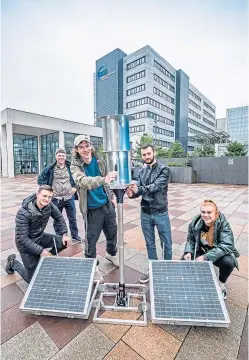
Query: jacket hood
{"points": [[198, 222], [77, 159], [28, 200]]}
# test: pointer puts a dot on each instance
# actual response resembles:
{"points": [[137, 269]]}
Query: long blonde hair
{"points": [[210, 233]]}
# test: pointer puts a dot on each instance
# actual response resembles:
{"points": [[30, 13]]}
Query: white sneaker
{"points": [[114, 259], [223, 291], [98, 276]]}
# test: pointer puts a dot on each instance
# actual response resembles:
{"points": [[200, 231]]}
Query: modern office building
{"points": [[29, 141], [237, 124], [221, 124], [161, 99]]}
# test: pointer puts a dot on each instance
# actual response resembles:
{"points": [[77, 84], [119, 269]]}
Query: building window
{"points": [[164, 71], [191, 148], [148, 100], [208, 122], [194, 104], [96, 141], [25, 151], [162, 143], [161, 131], [139, 115], [209, 107], [136, 63], [194, 95], [69, 143], [194, 114], [49, 144], [164, 83], [163, 95], [199, 125], [135, 90], [196, 132], [209, 115], [160, 118], [139, 128], [136, 76]]}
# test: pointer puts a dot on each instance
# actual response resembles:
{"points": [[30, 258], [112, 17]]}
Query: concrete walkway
{"points": [[26, 337]]}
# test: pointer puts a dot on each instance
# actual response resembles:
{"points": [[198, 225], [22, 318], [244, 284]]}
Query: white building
{"points": [[29, 141]]}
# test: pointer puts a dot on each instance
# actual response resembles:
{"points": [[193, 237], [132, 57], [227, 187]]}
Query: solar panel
{"points": [[186, 293], [60, 286]]}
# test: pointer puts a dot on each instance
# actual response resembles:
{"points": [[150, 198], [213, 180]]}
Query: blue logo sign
{"points": [[102, 72]]}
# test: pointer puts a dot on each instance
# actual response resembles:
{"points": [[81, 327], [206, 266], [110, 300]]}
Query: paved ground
{"points": [[30, 337]]}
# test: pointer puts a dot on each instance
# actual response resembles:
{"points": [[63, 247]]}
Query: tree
{"points": [[176, 150], [144, 140], [162, 152], [236, 149], [207, 150]]}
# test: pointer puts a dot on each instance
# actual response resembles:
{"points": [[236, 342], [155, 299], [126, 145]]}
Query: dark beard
{"points": [[151, 161]]}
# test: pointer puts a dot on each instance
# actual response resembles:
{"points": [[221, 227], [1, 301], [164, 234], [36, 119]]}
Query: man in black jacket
{"points": [[59, 177], [31, 240], [152, 184]]}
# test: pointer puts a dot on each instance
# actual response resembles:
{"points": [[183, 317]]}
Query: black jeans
{"points": [[30, 261], [69, 206], [225, 264], [103, 218]]}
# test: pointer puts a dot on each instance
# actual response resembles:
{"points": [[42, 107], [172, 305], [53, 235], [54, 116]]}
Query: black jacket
{"points": [[31, 223], [153, 186], [46, 177], [223, 239]]}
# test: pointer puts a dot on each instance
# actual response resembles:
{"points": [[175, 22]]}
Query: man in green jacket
{"points": [[210, 238], [95, 199]]}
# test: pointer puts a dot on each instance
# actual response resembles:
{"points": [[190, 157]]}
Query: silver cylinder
{"points": [[110, 125], [120, 242]]}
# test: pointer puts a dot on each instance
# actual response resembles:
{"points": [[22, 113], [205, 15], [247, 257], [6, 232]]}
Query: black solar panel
{"points": [[185, 291], [61, 285]]}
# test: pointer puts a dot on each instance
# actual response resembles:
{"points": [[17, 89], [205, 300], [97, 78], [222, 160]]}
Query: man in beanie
{"points": [[59, 177], [96, 199]]}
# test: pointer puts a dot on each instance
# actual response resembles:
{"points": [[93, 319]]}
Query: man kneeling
{"points": [[31, 240], [210, 238]]}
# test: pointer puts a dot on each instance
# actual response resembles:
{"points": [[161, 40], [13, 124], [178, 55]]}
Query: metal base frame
{"points": [[100, 306]]}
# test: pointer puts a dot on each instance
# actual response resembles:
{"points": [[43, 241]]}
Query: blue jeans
{"points": [[162, 222], [69, 206]]}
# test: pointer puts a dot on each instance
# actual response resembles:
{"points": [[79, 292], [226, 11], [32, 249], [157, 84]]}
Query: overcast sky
{"points": [[49, 48]]}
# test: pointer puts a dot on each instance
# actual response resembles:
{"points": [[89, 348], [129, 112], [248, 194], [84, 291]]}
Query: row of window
{"points": [[194, 95], [158, 130], [194, 104], [136, 76], [151, 115], [135, 63], [199, 125], [163, 95], [209, 107], [139, 128], [163, 70], [193, 131], [208, 122], [162, 143], [209, 115], [135, 90], [194, 113], [164, 83], [148, 100]]}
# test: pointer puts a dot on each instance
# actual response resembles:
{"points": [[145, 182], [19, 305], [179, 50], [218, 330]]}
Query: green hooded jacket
{"points": [[223, 239]]}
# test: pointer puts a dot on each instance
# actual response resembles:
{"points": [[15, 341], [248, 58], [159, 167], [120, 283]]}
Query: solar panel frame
{"points": [[190, 321], [61, 313]]}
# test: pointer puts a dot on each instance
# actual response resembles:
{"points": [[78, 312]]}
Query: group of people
{"points": [[86, 178]]}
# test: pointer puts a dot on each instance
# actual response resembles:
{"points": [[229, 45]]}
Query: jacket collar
{"points": [[77, 159], [198, 222]]}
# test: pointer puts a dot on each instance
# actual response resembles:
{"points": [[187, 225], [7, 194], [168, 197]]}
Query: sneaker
{"points": [[223, 291], [98, 276], [77, 238], [8, 267], [114, 259], [144, 278]]}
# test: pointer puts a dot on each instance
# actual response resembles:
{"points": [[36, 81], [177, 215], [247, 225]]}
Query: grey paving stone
{"points": [[138, 262], [32, 343], [237, 317], [105, 265], [90, 344], [243, 350], [180, 332], [129, 252], [22, 285], [237, 291], [242, 244]]}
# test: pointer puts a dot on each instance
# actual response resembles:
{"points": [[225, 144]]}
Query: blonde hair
{"points": [[210, 233]]}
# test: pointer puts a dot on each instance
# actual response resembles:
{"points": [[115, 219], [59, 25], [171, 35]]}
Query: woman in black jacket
{"points": [[210, 238]]}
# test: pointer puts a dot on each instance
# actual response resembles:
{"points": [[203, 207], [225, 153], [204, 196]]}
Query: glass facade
{"points": [[237, 124], [25, 152], [49, 144], [69, 142]]}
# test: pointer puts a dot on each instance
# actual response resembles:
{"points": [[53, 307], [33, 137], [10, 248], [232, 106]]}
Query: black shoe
{"points": [[78, 238], [8, 267]]}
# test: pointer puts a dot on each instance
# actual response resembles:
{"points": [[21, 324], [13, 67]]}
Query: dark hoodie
{"points": [[31, 223]]}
